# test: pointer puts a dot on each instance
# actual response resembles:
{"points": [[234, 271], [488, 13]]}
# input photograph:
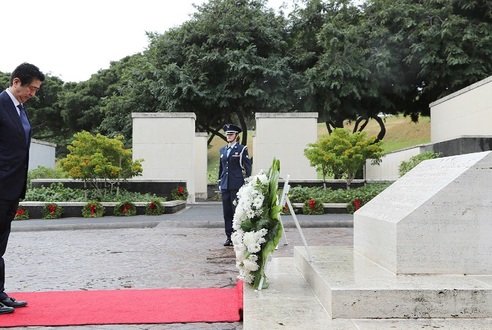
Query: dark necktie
{"points": [[25, 121], [228, 151]]}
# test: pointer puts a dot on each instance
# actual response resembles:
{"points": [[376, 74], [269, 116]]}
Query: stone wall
{"points": [[467, 112]]}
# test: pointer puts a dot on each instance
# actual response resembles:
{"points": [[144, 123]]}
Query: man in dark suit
{"points": [[15, 140], [235, 166]]}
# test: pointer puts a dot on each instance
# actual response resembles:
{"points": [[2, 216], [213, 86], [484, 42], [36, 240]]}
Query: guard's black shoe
{"points": [[6, 309], [11, 302], [228, 242]]}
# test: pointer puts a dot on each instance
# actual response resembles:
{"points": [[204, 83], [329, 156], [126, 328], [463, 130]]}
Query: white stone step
{"points": [[350, 286], [288, 303]]}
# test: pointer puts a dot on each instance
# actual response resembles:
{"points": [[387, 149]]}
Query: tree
{"points": [[96, 158], [393, 57], [441, 46], [226, 63], [45, 113], [4, 80], [342, 154], [82, 102], [129, 93]]}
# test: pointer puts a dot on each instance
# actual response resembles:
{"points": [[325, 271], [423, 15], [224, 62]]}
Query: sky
{"points": [[74, 39]]}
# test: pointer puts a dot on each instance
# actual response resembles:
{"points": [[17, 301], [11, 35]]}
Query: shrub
{"points": [[301, 194], [95, 157], [364, 194], [406, 166], [154, 208], [125, 209], [93, 209], [342, 154], [56, 192], [52, 211], [42, 172]]}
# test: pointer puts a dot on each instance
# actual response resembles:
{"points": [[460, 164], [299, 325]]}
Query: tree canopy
{"points": [[228, 62], [234, 58]]}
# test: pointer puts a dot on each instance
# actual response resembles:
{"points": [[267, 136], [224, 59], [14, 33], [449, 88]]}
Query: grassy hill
{"points": [[401, 133]]}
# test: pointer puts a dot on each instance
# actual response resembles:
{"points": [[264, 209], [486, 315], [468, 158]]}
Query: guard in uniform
{"points": [[234, 167]]}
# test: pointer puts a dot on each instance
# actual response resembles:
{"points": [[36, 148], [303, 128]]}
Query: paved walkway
{"points": [[173, 250]]}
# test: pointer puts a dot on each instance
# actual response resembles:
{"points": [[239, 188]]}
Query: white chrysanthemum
{"points": [[249, 238], [253, 240], [240, 214], [254, 247], [247, 190], [258, 201], [240, 256], [237, 237], [253, 257], [236, 224], [262, 233], [263, 178], [250, 265], [246, 277], [250, 214]]}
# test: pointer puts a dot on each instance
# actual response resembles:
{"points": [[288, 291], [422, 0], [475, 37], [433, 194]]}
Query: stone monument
{"points": [[437, 219], [422, 248]]}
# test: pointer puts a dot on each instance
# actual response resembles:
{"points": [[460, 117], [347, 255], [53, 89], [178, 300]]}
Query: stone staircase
{"points": [[340, 289]]}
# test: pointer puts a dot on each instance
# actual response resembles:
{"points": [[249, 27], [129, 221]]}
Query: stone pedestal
{"points": [[422, 248], [350, 286]]}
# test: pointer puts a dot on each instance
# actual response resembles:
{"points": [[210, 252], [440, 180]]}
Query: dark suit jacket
{"points": [[231, 168], [14, 151]]}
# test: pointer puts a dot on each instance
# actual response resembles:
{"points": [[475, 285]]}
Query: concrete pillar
{"points": [[166, 142], [285, 136], [201, 157]]}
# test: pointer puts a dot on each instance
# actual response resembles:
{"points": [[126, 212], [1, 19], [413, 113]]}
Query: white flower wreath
{"points": [[257, 225]]}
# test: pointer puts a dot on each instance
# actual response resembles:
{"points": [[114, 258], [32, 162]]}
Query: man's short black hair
{"points": [[26, 72]]}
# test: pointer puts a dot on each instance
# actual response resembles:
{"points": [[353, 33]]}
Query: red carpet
{"points": [[127, 307]]}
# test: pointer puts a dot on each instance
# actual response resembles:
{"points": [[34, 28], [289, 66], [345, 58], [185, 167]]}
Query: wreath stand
{"points": [[285, 200]]}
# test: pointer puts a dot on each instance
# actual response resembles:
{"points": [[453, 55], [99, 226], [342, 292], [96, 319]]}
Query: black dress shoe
{"points": [[228, 242], [6, 309], [11, 302]]}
